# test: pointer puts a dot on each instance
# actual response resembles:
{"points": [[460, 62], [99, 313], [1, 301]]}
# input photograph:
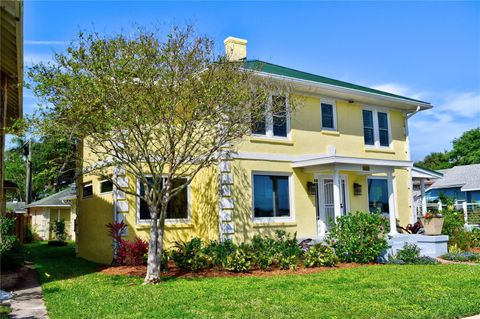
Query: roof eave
{"points": [[395, 101]]}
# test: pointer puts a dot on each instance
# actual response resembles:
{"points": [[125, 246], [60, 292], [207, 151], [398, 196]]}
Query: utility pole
{"points": [[28, 180]]}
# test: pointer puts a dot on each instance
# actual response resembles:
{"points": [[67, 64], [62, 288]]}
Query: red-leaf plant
{"points": [[128, 252]]}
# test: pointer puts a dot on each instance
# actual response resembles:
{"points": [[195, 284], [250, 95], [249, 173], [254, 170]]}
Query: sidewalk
{"points": [[27, 302]]}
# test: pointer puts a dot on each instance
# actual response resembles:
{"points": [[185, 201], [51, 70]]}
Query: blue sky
{"points": [[425, 50]]}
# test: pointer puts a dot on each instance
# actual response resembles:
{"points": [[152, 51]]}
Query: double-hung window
{"points": [[177, 208], [271, 196], [376, 128], [275, 122], [328, 113]]}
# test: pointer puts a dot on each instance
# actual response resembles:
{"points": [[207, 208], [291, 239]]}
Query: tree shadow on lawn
{"points": [[59, 263]]}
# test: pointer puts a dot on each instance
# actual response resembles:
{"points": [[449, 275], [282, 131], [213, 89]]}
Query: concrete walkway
{"points": [[27, 302]]}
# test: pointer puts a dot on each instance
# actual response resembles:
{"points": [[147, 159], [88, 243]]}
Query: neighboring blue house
{"points": [[460, 182]]}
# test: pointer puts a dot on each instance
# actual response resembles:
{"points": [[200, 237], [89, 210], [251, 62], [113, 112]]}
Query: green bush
{"points": [[359, 237], [475, 237], [219, 251], [239, 260], [11, 252], [59, 230], [462, 256], [320, 255], [410, 255], [190, 255], [454, 227]]}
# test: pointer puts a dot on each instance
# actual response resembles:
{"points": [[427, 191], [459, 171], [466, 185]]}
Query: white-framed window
{"points": [[272, 197], [377, 130], [274, 125], [87, 190], [377, 188], [328, 114], [106, 186], [178, 209]]}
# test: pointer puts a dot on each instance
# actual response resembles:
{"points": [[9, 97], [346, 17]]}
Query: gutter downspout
{"points": [[414, 216]]}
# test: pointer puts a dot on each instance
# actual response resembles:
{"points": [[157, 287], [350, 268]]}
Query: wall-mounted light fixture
{"points": [[357, 189], [311, 188]]}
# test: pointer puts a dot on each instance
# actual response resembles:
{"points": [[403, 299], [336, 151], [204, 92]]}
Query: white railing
{"points": [[471, 211]]}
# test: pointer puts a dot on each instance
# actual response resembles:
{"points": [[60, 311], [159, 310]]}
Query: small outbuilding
{"points": [[55, 207]]}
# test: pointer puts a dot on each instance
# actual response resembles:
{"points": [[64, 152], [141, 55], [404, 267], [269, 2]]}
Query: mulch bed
{"points": [[174, 271]]}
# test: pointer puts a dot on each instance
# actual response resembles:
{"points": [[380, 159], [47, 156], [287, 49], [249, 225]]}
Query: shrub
{"points": [[218, 251], [454, 227], [320, 255], [462, 256], [131, 252], [238, 261], [11, 252], [475, 237], [59, 230], [359, 237], [190, 255], [410, 255], [5, 311]]}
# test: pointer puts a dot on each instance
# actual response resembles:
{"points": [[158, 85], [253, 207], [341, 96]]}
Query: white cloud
{"points": [[399, 89], [466, 104], [433, 130]]}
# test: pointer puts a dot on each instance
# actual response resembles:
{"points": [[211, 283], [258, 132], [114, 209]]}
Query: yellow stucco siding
{"points": [[43, 219], [95, 244], [307, 137]]}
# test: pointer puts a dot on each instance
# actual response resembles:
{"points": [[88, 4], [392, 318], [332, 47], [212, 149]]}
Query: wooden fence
{"points": [[21, 220]]}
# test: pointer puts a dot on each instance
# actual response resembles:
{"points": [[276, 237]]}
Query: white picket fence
{"points": [[471, 211]]}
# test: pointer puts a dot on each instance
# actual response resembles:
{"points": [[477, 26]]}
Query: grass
{"points": [[73, 289]]}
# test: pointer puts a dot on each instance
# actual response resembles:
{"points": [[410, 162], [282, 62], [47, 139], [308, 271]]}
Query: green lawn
{"points": [[74, 290]]}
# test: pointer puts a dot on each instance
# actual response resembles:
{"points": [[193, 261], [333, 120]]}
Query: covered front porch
{"points": [[348, 184]]}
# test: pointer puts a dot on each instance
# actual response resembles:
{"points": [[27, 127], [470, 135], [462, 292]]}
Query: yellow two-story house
{"points": [[344, 149]]}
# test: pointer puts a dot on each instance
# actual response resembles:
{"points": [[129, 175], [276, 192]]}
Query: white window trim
{"points": [[376, 129], [167, 220], [290, 218], [85, 185], [334, 107], [100, 187], [269, 120]]}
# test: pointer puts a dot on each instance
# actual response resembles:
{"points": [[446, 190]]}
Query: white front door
{"points": [[326, 204]]}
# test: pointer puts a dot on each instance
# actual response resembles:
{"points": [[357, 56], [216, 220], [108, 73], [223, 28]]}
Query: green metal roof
{"points": [[54, 199], [270, 68]]}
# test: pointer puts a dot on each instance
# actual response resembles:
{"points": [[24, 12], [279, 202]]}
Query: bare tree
{"points": [[160, 108]]}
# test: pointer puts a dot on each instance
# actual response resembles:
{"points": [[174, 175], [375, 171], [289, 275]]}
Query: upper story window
{"points": [[376, 128], [328, 112], [106, 186], [177, 207], [87, 190], [274, 124]]}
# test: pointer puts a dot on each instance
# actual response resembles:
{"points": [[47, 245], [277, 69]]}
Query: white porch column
{"points": [[336, 194], [391, 203], [58, 214], [424, 199]]}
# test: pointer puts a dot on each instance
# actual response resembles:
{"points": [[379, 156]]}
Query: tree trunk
{"points": [[155, 245]]}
